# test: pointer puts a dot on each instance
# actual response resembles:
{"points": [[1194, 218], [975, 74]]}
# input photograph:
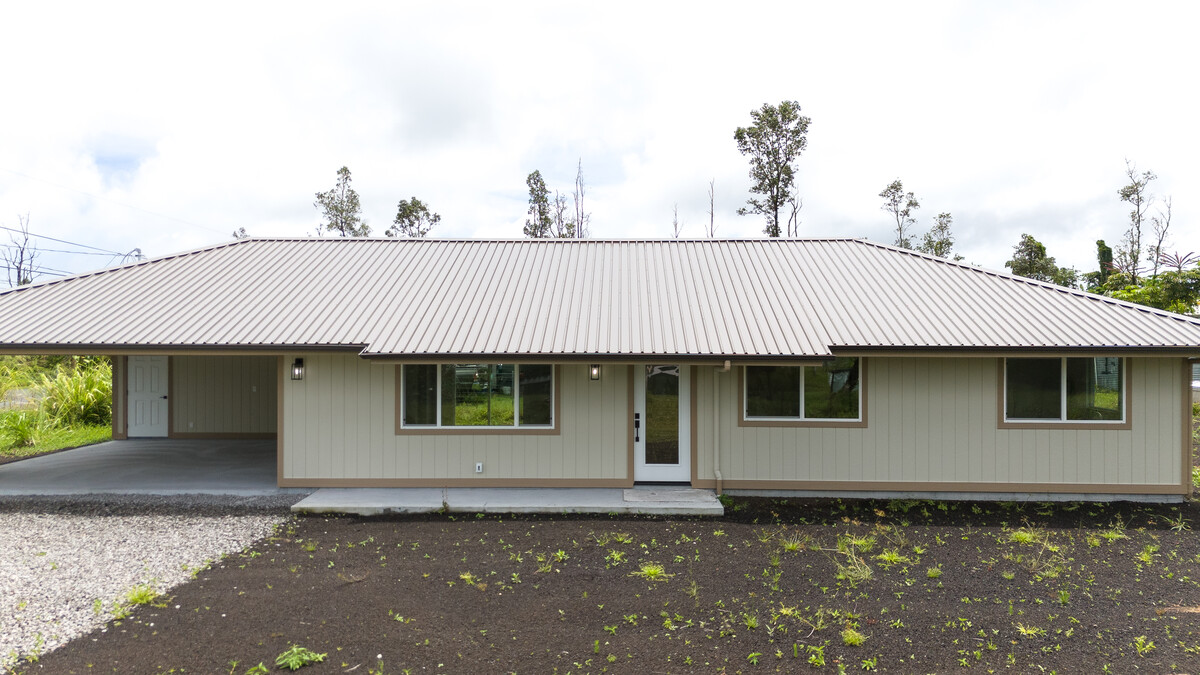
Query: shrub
{"points": [[79, 396], [22, 429]]}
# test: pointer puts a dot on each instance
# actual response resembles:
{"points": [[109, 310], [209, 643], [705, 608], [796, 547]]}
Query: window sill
{"points": [[802, 424], [477, 431], [1068, 425]]}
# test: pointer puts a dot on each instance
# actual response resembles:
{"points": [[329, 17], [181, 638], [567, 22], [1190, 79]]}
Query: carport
{"points": [[156, 466]]}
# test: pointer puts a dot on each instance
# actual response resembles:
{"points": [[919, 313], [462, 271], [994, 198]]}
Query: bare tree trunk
{"points": [[1162, 223], [712, 200], [676, 226], [793, 225], [20, 256], [582, 217]]}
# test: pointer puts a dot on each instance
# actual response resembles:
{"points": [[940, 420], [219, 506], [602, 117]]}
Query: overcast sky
{"points": [[163, 128]]}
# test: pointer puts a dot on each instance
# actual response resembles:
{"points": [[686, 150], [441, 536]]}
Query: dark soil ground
{"points": [[776, 586]]}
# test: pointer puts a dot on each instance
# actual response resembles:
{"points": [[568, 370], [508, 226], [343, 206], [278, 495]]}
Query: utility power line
{"points": [[61, 241]]}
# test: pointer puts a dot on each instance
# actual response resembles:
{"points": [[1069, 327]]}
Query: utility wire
{"points": [[56, 250], [61, 241]]}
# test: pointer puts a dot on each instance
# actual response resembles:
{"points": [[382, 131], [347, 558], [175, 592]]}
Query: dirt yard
{"points": [[776, 586]]}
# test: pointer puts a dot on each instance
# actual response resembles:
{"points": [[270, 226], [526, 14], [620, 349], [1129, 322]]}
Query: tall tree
{"points": [[1137, 194], [19, 256], [537, 226], [901, 205], [773, 142], [939, 240], [341, 213], [413, 220], [676, 226], [582, 217], [1030, 260], [1096, 281]]}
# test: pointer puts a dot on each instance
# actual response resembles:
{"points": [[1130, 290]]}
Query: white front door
{"points": [[662, 439], [147, 396]]}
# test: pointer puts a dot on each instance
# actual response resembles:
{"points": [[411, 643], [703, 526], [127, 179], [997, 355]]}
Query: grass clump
{"points": [[22, 429], [142, 594], [852, 637], [651, 572], [296, 657]]}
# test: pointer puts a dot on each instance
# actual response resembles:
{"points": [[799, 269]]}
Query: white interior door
{"points": [[147, 396], [662, 442]]}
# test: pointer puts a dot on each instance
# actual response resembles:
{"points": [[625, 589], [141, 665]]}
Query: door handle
{"points": [[163, 396], [637, 425]]}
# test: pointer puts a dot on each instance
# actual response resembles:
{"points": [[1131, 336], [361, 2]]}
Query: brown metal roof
{"points": [[760, 298]]}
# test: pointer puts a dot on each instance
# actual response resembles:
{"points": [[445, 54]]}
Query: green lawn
{"points": [[58, 439]]}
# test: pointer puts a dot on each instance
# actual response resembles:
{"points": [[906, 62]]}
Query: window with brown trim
{"points": [[477, 395], [1065, 390], [830, 392]]}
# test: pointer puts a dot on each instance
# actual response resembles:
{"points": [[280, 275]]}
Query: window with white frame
{"points": [[828, 392], [1064, 389], [456, 395]]}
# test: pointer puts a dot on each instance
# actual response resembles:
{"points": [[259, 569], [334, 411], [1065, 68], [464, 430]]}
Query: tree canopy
{"points": [[413, 220], [537, 226], [773, 142], [1030, 260], [341, 213], [901, 205], [939, 241]]}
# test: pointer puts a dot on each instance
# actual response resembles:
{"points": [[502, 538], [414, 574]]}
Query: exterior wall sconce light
{"points": [[595, 372], [298, 369]]}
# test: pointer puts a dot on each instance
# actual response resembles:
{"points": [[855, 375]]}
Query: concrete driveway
{"points": [[149, 466]]}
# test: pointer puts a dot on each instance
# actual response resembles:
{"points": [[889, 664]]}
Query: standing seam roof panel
{"points": [[787, 298]]}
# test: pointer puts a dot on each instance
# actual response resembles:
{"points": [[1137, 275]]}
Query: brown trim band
{"points": [[860, 423], [900, 486], [225, 435], [694, 450], [281, 368], [1067, 425], [631, 467], [120, 395], [993, 352], [1186, 470], [556, 414], [455, 482]]}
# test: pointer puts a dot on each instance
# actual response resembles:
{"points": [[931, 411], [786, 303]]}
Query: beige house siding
{"points": [[932, 424], [339, 424], [223, 396]]}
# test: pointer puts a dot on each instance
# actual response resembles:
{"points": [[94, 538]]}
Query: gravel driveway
{"points": [[66, 564]]}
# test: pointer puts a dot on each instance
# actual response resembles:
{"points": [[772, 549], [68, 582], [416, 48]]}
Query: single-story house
{"points": [[776, 366]]}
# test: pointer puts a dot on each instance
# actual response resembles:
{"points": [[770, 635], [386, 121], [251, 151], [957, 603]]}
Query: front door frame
{"points": [[159, 403], [662, 473]]}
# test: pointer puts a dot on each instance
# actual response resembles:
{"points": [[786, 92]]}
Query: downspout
{"points": [[717, 426]]}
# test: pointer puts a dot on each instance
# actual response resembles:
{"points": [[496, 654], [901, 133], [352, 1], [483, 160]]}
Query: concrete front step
{"points": [[656, 500]]}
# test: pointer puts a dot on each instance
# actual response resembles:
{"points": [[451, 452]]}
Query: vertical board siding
{"points": [[223, 394], [934, 420], [339, 423]]}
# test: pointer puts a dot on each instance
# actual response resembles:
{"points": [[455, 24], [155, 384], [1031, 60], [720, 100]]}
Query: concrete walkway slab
{"points": [[150, 466], [641, 500]]}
